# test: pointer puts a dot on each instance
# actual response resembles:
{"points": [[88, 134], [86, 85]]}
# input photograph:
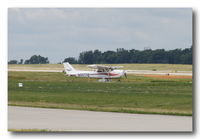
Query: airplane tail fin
{"points": [[68, 68]]}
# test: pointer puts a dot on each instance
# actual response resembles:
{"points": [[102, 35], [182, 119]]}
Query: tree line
{"points": [[121, 55], [35, 59]]}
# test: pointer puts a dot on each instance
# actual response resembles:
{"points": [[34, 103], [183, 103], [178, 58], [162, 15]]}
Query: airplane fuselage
{"points": [[98, 75], [101, 72]]}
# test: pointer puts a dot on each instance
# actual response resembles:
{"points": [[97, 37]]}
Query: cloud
{"points": [[61, 32]]}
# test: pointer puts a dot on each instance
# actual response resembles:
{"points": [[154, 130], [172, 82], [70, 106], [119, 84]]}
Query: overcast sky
{"points": [[63, 32]]}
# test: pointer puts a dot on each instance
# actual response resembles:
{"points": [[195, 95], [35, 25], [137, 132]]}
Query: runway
{"points": [[178, 73], [75, 120]]}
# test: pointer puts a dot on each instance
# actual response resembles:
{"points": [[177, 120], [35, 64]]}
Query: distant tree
{"points": [[186, 57], [37, 59], [176, 56], [109, 57], [122, 56], [144, 56], [86, 57], [71, 60], [21, 61], [97, 57], [134, 56], [159, 56], [26, 62], [12, 62]]}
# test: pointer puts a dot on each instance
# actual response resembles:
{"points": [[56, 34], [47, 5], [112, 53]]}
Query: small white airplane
{"points": [[103, 73]]}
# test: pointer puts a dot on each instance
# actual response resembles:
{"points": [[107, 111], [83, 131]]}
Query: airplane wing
{"points": [[102, 68], [117, 67]]}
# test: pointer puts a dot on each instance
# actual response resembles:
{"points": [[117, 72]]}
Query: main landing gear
{"points": [[104, 80]]}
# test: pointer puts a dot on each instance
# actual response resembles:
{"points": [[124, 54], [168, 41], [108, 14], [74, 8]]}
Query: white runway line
{"points": [[75, 120]]}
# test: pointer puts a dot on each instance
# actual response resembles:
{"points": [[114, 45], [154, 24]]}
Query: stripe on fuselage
{"points": [[108, 74]]}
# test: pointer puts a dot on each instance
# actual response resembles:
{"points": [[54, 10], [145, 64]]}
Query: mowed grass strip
{"points": [[136, 94]]}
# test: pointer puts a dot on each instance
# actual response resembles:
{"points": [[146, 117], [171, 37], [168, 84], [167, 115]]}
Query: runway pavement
{"points": [[75, 120], [35, 70], [181, 73]]}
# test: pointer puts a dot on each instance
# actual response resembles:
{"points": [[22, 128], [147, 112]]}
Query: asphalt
{"points": [[181, 73], [75, 120]]}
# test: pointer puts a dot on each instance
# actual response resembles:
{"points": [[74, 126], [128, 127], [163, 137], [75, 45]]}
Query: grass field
{"points": [[169, 67], [137, 94]]}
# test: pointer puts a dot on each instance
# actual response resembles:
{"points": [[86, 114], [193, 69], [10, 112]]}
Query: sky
{"points": [[58, 33]]}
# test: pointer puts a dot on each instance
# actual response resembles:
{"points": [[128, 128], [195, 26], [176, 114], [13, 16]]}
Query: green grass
{"points": [[136, 94], [169, 67]]}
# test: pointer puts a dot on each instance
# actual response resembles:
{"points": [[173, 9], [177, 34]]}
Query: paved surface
{"points": [[185, 73], [178, 73], [74, 120], [35, 70]]}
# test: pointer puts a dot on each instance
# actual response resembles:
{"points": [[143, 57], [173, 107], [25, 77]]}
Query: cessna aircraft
{"points": [[104, 73]]}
